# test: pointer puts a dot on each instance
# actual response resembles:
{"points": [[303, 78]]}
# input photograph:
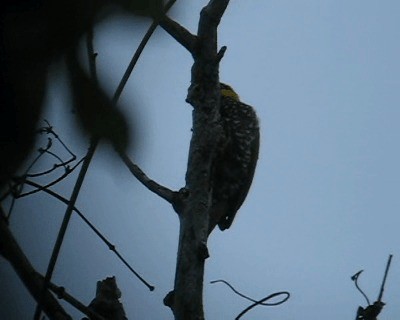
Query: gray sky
{"points": [[324, 79]]}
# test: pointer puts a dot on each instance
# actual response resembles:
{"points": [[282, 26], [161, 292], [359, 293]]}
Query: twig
{"points": [[11, 251], [179, 33], [256, 302], [91, 56], [33, 280], [110, 246], [85, 165], [263, 300], [41, 153], [55, 166], [372, 310], [62, 294], [355, 279], [137, 54], [16, 189], [384, 278], [49, 130], [153, 186], [221, 53], [49, 184], [251, 299], [65, 222]]}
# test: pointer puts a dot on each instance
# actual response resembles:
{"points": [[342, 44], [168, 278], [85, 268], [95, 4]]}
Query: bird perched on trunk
{"points": [[236, 158]]}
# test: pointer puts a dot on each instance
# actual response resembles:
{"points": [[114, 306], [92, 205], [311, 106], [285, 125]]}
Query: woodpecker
{"points": [[235, 160]]}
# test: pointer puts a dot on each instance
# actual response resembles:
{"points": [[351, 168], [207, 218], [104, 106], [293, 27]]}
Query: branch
{"points": [[179, 33], [186, 301], [355, 279], [33, 280], [262, 302], [372, 311], [153, 186], [210, 17], [65, 222], [85, 95], [68, 171], [62, 294], [256, 301], [110, 246], [11, 251], [137, 54], [204, 88], [384, 278]]}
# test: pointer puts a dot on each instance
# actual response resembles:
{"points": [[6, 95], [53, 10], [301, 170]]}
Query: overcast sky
{"points": [[324, 77]]}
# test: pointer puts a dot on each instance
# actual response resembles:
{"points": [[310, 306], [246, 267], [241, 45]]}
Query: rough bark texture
{"points": [[203, 95]]}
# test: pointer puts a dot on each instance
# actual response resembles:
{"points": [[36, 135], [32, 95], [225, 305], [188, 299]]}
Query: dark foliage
{"points": [[33, 34]]}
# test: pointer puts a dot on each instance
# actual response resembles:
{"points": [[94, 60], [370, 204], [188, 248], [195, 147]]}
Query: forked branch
{"points": [[186, 301]]}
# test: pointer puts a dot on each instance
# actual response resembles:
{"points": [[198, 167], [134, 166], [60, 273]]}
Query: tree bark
{"points": [[187, 298]]}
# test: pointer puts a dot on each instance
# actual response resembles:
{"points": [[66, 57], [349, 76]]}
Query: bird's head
{"points": [[227, 91]]}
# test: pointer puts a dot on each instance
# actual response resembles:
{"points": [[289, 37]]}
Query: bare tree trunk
{"points": [[186, 300]]}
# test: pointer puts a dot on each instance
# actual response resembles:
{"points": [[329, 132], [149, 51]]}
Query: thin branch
{"points": [[55, 166], [66, 219], [62, 294], [137, 54], [91, 56], [206, 65], [153, 186], [372, 311], [384, 278], [74, 196], [179, 33], [86, 163], [21, 180], [210, 17], [256, 302], [41, 153], [355, 279], [110, 246], [251, 299], [11, 251], [151, 288], [49, 130], [33, 281], [221, 53], [17, 189], [263, 300], [10, 190]]}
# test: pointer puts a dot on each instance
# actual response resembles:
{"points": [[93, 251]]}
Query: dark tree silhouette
{"points": [[36, 33]]}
